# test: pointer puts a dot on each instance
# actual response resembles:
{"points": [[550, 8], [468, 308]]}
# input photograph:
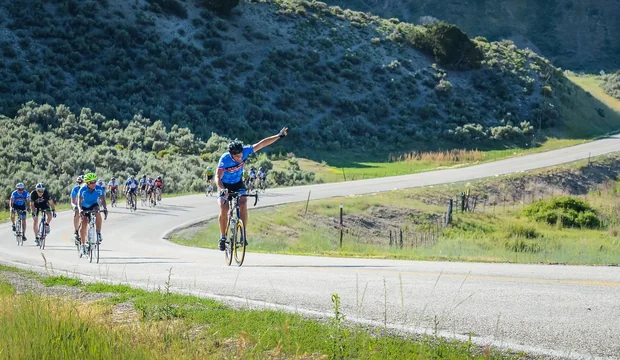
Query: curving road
{"points": [[567, 311]]}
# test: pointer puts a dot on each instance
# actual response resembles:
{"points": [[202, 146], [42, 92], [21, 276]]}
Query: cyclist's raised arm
{"points": [[270, 140]]}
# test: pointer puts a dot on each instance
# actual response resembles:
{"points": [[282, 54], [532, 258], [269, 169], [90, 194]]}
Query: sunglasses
{"points": [[91, 182]]}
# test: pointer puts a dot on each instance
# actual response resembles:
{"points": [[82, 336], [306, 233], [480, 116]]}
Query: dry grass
{"points": [[448, 156]]}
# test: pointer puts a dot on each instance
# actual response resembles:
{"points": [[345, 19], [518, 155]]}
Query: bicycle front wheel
{"points": [[18, 233], [239, 243], [42, 234], [230, 243], [91, 242]]}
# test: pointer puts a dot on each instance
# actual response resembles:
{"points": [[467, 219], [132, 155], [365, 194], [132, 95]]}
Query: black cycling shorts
{"points": [[21, 207], [45, 208], [236, 187]]}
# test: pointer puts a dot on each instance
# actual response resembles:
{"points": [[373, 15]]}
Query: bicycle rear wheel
{"points": [[239, 243]]}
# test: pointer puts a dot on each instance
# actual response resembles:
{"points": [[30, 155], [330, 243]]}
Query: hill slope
{"points": [[578, 35], [340, 79]]}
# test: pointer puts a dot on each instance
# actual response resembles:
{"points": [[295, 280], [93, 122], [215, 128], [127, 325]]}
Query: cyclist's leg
{"points": [[98, 224], [76, 218], [83, 229], [13, 216], [35, 223]]}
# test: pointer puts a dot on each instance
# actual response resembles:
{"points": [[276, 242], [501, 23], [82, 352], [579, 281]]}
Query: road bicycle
{"points": [[19, 234], [143, 197], [236, 240], [92, 244], [131, 201], [42, 233], [113, 196], [210, 189], [158, 194], [262, 185]]}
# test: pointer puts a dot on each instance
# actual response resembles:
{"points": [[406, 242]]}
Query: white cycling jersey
{"points": [[113, 183]]}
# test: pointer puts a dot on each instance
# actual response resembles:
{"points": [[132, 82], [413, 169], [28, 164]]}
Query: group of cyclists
{"points": [[88, 196]]}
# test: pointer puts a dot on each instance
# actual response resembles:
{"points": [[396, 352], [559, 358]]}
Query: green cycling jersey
{"points": [[209, 172]]}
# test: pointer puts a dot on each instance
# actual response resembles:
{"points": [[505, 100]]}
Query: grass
{"points": [[334, 170], [592, 84], [163, 325], [6, 289], [492, 234], [61, 280]]}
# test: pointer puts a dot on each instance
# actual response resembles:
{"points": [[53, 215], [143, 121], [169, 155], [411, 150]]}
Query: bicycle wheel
{"points": [[18, 232], [230, 243], [239, 243], [97, 250], [134, 201], [42, 233], [91, 241]]}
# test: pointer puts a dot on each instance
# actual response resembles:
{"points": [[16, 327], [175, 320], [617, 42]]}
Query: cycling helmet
{"points": [[159, 178], [90, 177], [235, 147], [40, 186], [113, 178], [253, 168], [209, 168], [260, 168], [132, 177], [20, 186], [144, 176], [79, 179], [99, 181]]}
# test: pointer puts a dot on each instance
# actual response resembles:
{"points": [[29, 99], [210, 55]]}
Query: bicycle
{"points": [[92, 244], [210, 189], [42, 233], [235, 230], [262, 185], [131, 201], [113, 197], [19, 234], [158, 193], [143, 197]]}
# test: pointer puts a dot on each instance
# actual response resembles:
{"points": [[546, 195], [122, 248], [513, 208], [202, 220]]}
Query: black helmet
{"points": [[235, 147], [253, 168]]}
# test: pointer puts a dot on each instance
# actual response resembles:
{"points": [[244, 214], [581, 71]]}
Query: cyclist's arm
{"points": [[31, 205], [102, 199], [220, 183], [79, 202], [269, 140], [52, 205], [11, 203]]}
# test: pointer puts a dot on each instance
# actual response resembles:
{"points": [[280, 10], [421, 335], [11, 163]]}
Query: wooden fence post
{"points": [[341, 227]]}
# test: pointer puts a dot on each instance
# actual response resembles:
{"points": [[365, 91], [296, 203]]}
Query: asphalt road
{"points": [[569, 311]]}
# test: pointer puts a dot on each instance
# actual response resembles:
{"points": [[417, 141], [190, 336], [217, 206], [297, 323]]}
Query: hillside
{"points": [[576, 35], [339, 79]]}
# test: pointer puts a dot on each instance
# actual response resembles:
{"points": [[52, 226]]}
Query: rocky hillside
{"points": [[340, 79], [576, 35]]}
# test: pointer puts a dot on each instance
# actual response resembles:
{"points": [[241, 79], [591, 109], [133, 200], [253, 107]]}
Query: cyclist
{"points": [[89, 198], [262, 176], [150, 190], [209, 174], [131, 185], [159, 186], [17, 202], [101, 183], [229, 173], [76, 218], [113, 186], [143, 184], [252, 177], [40, 201]]}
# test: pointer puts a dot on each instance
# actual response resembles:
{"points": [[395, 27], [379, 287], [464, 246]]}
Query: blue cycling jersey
{"points": [[90, 198], [20, 199], [74, 192], [234, 170]]}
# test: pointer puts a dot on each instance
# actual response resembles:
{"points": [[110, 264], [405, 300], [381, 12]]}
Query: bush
{"points": [[565, 211], [221, 6]]}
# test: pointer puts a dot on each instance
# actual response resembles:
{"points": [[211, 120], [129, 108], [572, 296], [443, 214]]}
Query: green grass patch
{"points": [[61, 280], [6, 289], [592, 84], [495, 234], [163, 325], [336, 170]]}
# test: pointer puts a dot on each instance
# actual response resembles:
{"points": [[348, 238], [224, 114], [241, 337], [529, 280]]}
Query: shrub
{"points": [[565, 211], [221, 6]]}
